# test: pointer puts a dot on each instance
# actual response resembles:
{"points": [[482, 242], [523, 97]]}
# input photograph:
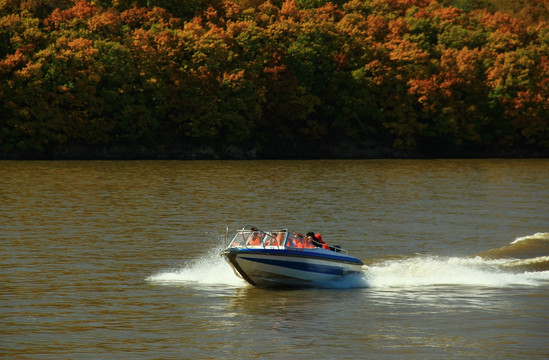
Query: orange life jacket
{"points": [[308, 244], [255, 240], [297, 241], [280, 238]]}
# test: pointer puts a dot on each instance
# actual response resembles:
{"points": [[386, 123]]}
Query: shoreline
{"points": [[234, 153]]}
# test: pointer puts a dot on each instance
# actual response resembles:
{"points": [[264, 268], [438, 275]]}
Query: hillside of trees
{"points": [[273, 78]]}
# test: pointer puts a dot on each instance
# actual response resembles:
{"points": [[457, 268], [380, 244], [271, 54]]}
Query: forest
{"points": [[220, 79]]}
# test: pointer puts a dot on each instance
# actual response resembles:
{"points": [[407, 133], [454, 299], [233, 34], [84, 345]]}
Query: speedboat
{"points": [[284, 258]]}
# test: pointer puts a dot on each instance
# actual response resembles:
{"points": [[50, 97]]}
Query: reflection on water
{"points": [[121, 259]]}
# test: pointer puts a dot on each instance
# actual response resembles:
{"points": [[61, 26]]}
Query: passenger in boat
{"points": [[324, 244], [307, 243], [280, 238], [255, 239], [316, 240], [275, 239], [296, 241], [300, 242]]}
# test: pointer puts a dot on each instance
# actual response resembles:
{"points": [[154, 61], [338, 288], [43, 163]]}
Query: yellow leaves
{"points": [[465, 62], [268, 8], [503, 41], [236, 28], [374, 72], [419, 65], [234, 79], [405, 51], [499, 22], [510, 70]]}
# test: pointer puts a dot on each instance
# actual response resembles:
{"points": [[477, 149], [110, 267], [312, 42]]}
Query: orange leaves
{"points": [[276, 68], [106, 22], [80, 11], [377, 27], [424, 88], [406, 51], [399, 6], [232, 10], [135, 17], [448, 14], [467, 63], [530, 113], [83, 45], [409, 69], [142, 17], [499, 22], [234, 79], [457, 68], [329, 12], [236, 28], [13, 61], [290, 9]]}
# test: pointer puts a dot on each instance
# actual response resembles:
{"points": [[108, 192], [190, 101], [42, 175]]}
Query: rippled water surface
{"points": [[120, 260]]}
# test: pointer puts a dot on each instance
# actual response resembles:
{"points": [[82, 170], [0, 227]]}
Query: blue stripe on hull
{"points": [[273, 267], [312, 254], [302, 266]]}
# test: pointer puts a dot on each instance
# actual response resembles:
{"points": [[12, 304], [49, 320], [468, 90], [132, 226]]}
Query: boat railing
{"points": [[252, 237]]}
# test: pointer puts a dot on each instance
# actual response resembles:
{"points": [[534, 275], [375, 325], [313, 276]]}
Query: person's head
{"points": [[311, 235]]}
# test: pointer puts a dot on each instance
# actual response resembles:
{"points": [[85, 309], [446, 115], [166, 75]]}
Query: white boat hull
{"points": [[299, 267]]}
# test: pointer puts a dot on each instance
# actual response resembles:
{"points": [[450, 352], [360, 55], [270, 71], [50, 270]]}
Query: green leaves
{"points": [[281, 77]]}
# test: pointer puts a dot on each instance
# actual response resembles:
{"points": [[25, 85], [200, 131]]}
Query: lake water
{"points": [[120, 260]]}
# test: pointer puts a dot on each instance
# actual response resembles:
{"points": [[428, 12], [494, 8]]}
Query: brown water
{"points": [[120, 260]]}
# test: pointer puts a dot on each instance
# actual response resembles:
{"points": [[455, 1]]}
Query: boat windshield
{"points": [[251, 237], [257, 238]]}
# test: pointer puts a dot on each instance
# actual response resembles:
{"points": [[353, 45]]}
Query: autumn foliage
{"points": [[292, 78]]}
